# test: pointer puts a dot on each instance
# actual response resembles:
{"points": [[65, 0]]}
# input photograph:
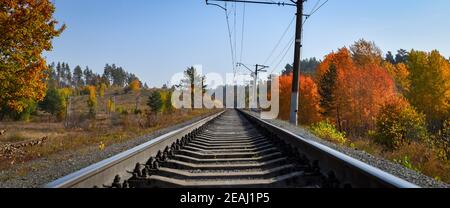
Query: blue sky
{"points": [[157, 38]]}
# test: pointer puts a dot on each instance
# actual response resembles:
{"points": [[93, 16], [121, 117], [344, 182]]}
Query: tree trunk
{"points": [[338, 118], [192, 95]]}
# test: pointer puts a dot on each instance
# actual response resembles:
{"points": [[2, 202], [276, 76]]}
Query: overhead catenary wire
{"points": [[323, 4], [243, 32], [299, 4], [279, 41], [235, 33], [313, 11], [285, 51], [281, 3], [315, 6], [233, 63], [277, 58], [237, 56]]}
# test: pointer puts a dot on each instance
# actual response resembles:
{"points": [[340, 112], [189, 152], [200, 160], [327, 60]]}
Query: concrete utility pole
{"points": [[297, 63], [298, 45]]}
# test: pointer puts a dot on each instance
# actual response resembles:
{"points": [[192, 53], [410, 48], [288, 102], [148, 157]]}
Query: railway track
{"points": [[231, 149]]}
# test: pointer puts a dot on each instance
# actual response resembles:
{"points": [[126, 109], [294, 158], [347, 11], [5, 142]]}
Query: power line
{"points": [[233, 47], [284, 52], [318, 8], [313, 10], [243, 30], [231, 39], [299, 4], [255, 2], [315, 6], [279, 41], [235, 33]]}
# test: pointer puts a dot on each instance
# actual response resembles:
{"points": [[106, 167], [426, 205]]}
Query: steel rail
{"points": [[348, 170], [104, 172]]}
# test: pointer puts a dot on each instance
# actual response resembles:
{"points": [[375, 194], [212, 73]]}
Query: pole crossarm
{"points": [[241, 64], [259, 68], [252, 2], [217, 5], [262, 66]]}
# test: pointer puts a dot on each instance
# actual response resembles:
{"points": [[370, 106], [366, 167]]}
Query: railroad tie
{"points": [[227, 152]]}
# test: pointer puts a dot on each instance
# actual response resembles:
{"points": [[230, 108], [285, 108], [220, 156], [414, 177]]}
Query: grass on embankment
{"points": [[105, 129], [416, 156], [99, 134]]}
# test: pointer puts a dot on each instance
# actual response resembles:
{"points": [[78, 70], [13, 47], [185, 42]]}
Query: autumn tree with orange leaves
{"points": [[400, 73], [342, 64], [361, 87], [309, 101], [349, 89], [400, 106], [135, 85], [27, 28]]}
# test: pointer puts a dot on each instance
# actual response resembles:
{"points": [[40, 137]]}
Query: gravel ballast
{"points": [[383, 164], [44, 170]]}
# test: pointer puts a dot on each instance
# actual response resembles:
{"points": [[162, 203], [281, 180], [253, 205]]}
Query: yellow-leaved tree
{"points": [[430, 86], [135, 85], [27, 28], [92, 100], [400, 74], [101, 89]]}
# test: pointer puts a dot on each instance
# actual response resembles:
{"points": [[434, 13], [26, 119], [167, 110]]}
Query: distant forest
{"points": [[60, 75], [309, 65]]}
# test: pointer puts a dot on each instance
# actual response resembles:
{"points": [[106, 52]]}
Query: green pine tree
{"points": [[326, 91], [155, 102]]}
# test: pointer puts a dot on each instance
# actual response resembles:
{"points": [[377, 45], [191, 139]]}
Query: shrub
{"points": [[155, 102], [16, 137], [367, 146], [84, 91], [121, 110], [92, 101], [110, 105], [328, 131], [102, 89], [167, 102], [65, 92], [101, 146], [134, 86], [406, 162], [29, 107], [446, 130], [420, 157], [54, 103], [442, 141], [137, 111], [399, 123]]}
